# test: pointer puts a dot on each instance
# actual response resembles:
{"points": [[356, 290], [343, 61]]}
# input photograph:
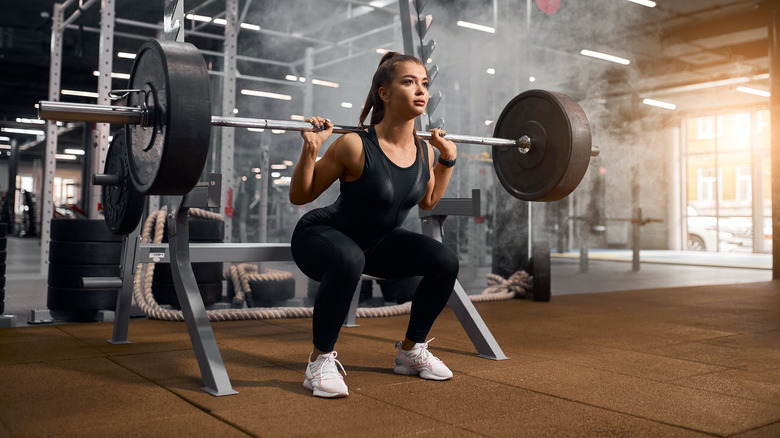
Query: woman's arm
{"points": [[310, 176], [440, 174]]}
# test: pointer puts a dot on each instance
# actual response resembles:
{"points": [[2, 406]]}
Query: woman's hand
{"points": [[447, 149], [313, 140]]}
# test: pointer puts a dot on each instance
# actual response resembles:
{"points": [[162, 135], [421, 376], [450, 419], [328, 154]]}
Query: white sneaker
{"points": [[420, 361], [322, 376]]}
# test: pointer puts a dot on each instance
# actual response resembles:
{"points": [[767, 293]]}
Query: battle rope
{"points": [[499, 288]]}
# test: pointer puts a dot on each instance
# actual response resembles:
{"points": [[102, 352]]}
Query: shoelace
{"points": [[328, 369], [422, 354]]}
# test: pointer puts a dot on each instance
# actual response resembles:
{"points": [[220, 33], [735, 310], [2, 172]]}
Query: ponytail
{"points": [[382, 77]]}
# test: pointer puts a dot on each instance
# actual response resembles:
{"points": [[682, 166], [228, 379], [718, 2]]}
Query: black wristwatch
{"points": [[447, 163]]}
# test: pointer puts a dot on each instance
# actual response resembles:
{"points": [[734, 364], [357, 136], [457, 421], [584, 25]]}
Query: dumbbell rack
{"points": [[180, 253]]}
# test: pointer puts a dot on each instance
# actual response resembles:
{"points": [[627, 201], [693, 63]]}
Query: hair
{"points": [[382, 77]]}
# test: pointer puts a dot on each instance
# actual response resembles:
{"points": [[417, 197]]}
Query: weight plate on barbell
{"points": [[560, 146], [123, 204], [167, 157]]}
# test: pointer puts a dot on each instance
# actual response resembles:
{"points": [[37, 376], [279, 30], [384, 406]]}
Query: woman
{"points": [[383, 171]]}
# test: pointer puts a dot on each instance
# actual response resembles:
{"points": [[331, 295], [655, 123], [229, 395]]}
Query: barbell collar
{"points": [[85, 112], [105, 179]]}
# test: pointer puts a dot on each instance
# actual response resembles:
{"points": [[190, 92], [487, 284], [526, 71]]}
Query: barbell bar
{"points": [[81, 112], [541, 141]]}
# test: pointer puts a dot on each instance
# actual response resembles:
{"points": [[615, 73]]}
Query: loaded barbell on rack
{"points": [[541, 149]]}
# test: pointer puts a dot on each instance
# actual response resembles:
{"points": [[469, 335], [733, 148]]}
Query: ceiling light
{"points": [[23, 131], [74, 151], [491, 71], [196, 17], [278, 166], [65, 157], [297, 117], [532, 79], [382, 51], [325, 83], [5, 146], [648, 3], [220, 21], [91, 94], [754, 91], [488, 122], [659, 104], [32, 121], [255, 129], [291, 78], [275, 174], [266, 94], [346, 105], [605, 57], [479, 27], [250, 26], [287, 163], [278, 131], [4, 138], [255, 170], [125, 55], [258, 176], [113, 75]]}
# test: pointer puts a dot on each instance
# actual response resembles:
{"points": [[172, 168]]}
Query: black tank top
{"points": [[379, 200]]}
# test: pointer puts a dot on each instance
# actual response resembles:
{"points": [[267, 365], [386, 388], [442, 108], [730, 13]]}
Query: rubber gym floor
{"points": [[670, 350]]}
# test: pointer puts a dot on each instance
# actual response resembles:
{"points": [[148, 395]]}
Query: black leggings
{"points": [[329, 256]]}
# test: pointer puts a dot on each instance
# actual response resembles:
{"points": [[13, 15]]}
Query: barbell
{"points": [[541, 144]]}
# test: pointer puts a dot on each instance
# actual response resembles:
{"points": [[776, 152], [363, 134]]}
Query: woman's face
{"points": [[407, 93]]}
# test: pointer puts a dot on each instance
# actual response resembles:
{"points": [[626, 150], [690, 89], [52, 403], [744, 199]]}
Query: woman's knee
{"points": [[446, 262]]}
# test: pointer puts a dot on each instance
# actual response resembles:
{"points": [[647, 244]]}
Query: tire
{"points": [[81, 299], [540, 270], [69, 276], [82, 230], [165, 293], [85, 253], [204, 272]]}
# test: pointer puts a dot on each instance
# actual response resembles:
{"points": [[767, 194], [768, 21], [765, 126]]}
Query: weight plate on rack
{"points": [[560, 146], [167, 157], [123, 204]]}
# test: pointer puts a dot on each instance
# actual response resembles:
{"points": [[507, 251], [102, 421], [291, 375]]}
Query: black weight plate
{"points": [[82, 230], [123, 204], [165, 293], [202, 230], [3, 229], [2, 269], [167, 157], [70, 276], [204, 272], [85, 253], [560, 146], [3, 255], [540, 260], [3, 243], [58, 298]]}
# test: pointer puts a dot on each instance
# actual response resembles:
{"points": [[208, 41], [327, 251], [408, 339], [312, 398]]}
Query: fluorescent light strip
{"points": [[255, 129], [266, 94], [294, 78], [114, 75], [659, 104], [491, 71], [91, 94], [65, 157], [478, 27], [74, 151], [346, 104], [196, 17], [278, 166], [4, 138], [754, 91], [605, 57], [324, 83], [648, 3], [31, 121], [5, 146], [249, 26], [125, 55], [382, 51], [22, 131], [220, 21]]}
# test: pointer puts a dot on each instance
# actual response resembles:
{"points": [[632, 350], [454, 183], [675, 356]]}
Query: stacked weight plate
{"points": [[208, 275], [3, 242], [81, 248]]}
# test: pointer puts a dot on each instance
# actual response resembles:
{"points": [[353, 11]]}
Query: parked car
{"points": [[705, 233]]}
